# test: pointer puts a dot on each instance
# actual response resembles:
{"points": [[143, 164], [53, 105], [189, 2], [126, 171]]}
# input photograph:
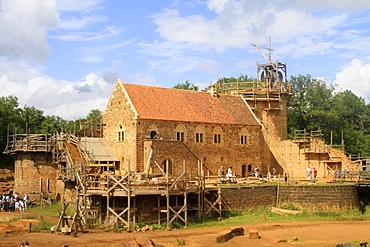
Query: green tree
{"points": [[354, 117], [9, 119], [315, 105], [32, 118], [298, 112], [310, 107], [53, 124], [94, 116], [351, 109], [186, 86]]}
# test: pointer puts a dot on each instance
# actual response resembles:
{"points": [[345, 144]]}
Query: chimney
{"points": [[212, 91]]}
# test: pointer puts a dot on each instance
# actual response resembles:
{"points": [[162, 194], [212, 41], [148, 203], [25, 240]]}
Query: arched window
{"points": [[244, 136], [180, 133], [120, 134], [153, 134], [199, 134], [217, 135]]}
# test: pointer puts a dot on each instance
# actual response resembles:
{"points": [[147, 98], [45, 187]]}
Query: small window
{"points": [[199, 137], [199, 133], [245, 136], [121, 134], [243, 140], [217, 138], [153, 135], [180, 136], [180, 133]]}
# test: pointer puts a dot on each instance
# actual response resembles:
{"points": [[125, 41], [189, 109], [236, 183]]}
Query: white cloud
{"points": [[217, 5], [197, 43], [67, 99], [299, 29], [238, 23], [144, 79], [355, 77], [335, 4], [23, 28], [209, 65]]}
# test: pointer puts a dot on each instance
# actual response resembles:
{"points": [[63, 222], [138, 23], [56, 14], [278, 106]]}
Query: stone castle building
{"points": [[175, 125], [147, 129], [158, 152]]}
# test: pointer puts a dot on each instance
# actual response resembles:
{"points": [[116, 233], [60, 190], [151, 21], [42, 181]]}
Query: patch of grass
{"points": [[180, 242], [177, 225], [53, 210], [43, 225], [265, 215]]}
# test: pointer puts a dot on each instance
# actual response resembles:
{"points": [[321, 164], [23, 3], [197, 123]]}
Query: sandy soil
{"points": [[271, 234]]}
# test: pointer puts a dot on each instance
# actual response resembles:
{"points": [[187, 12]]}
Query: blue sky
{"points": [[64, 57]]}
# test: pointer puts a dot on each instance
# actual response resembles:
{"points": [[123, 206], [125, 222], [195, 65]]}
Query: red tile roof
{"points": [[159, 103]]}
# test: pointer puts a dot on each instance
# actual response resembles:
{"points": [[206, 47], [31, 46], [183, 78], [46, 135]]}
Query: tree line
{"points": [[28, 119], [314, 105]]}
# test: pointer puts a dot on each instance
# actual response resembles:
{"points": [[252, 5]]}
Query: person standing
{"points": [[221, 173], [25, 200], [314, 173], [229, 174], [308, 173], [346, 175], [274, 172]]}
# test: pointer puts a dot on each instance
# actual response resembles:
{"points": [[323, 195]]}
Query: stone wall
{"points": [[274, 121], [34, 172], [175, 152], [249, 197], [230, 152], [119, 116], [335, 197]]}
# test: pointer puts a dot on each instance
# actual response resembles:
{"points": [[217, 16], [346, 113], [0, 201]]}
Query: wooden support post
{"points": [[128, 197], [199, 191], [134, 215], [168, 196], [219, 199], [107, 189], [159, 211], [185, 198]]}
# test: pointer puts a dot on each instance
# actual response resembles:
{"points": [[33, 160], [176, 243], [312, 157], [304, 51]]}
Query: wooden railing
{"points": [[29, 142]]}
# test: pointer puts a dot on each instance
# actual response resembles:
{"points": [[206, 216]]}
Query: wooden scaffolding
{"points": [[103, 194]]}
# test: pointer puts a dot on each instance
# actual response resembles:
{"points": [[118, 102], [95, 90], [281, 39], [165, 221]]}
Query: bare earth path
{"points": [[308, 234]]}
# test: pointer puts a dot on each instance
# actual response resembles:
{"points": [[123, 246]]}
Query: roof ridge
{"points": [[171, 88]]}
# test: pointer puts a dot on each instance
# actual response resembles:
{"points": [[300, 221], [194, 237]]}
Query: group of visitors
{"points": [[342, 176], [11, 202], [230, 176]]}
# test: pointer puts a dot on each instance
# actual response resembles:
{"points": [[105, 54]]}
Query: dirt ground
{"points": [[271, 234]]}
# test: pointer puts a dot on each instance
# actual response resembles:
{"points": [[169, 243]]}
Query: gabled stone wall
{"points": [[119, 116]]}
